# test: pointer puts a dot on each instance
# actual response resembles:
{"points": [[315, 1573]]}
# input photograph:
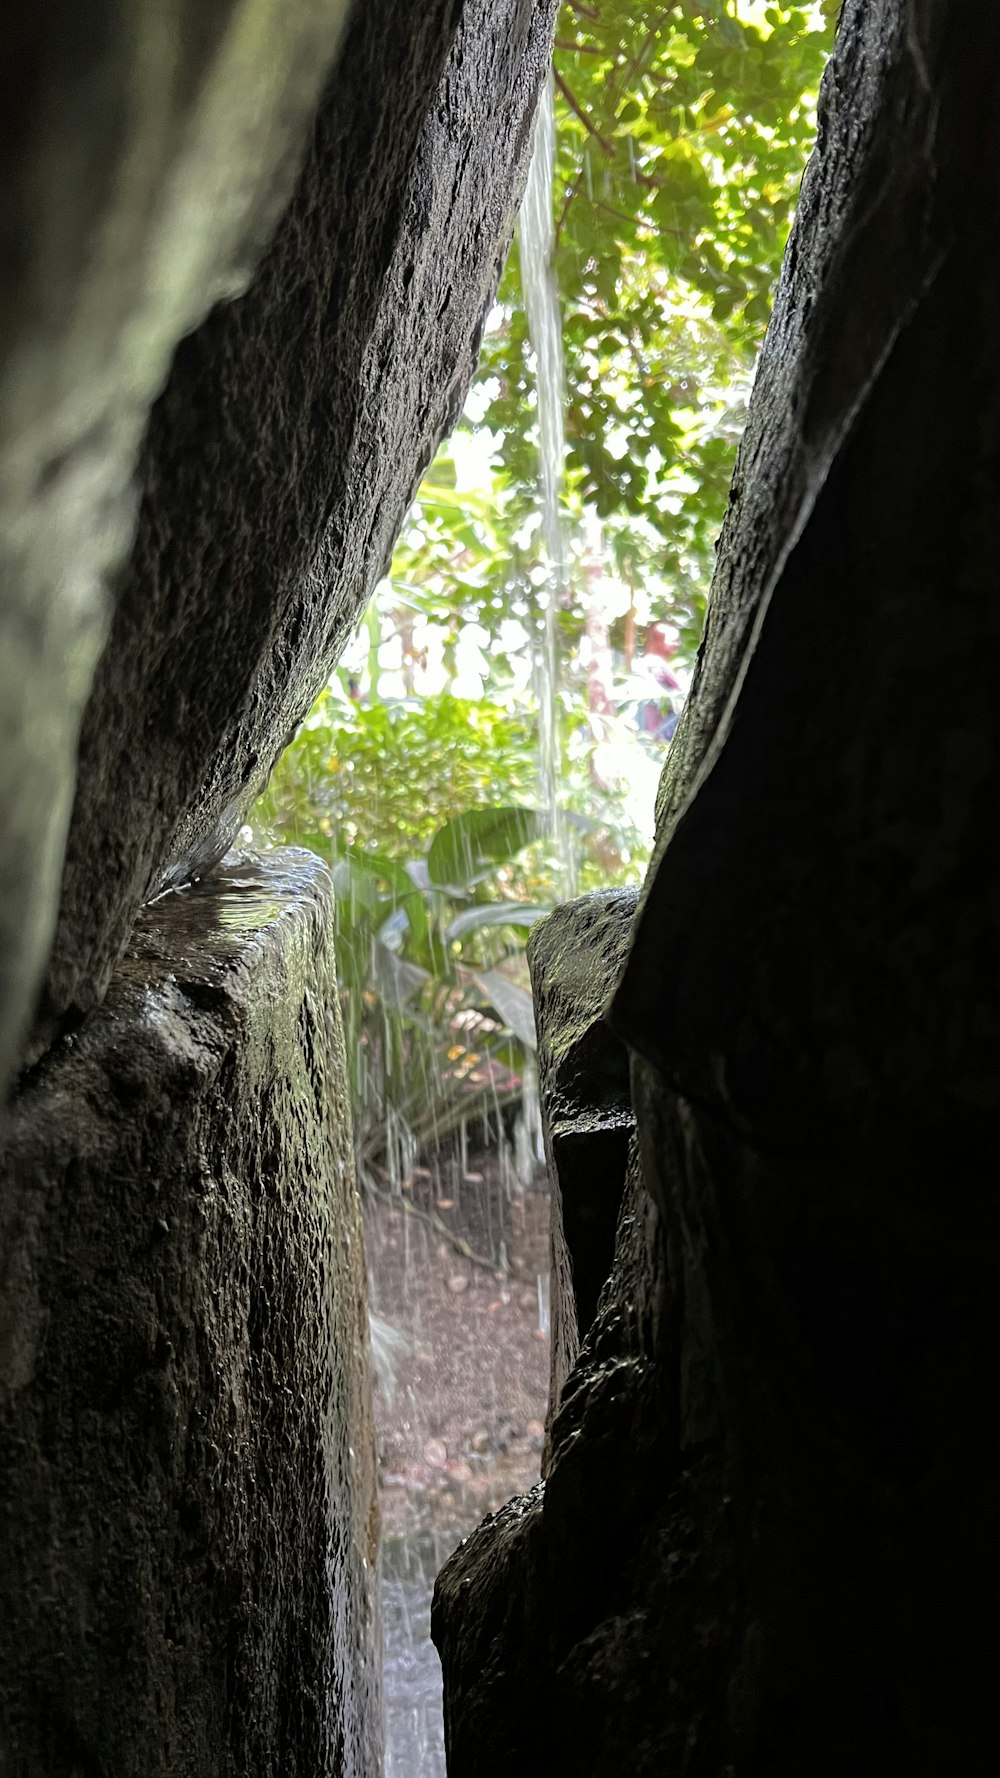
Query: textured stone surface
{"points": [[286, 447], [860, 225], [144, 157], [764, 1543], [827, 924], [546, 1618], [187, 1479], [575, 957]]}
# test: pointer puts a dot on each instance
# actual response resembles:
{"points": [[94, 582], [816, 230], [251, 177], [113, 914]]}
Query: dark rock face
{"points": [[575, 957], [775, 1449], [284, 451], [119, 137], [188, 1523], [548, 1618]]}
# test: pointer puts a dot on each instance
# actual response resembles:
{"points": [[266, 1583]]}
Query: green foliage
{"points": [[431, 914], [682, 133], [381, 779], [437, 1008], [383, 776], [466, 848]]}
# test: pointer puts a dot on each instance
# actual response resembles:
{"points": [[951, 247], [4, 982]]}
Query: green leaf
{"points": [[494, 913], [395, 981], [512, 1002], [377, 868], [465, 849], [356, 893]]}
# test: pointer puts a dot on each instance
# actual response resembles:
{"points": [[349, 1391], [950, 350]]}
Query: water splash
{"points": [[536, 241], [536, 244], [389, 1345], [529, 1150]]}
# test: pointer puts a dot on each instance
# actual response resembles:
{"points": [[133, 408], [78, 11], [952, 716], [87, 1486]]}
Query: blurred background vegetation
{"points": [[682, 133]]}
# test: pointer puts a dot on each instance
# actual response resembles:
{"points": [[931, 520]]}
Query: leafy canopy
{"points": [[682, 134]]}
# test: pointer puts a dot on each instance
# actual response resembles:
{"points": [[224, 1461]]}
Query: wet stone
{"points": [[186, 1448], [123, 142], [759, 1545], [576, 957], [259, 543]]}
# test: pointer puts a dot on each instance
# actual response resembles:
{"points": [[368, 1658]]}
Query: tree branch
{"points": [[662, 228], [579, 49], [571, 191], [635, 64], [578, 111], [440, 1228]]}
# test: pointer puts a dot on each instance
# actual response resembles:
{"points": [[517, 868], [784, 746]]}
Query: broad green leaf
{"points": [[465, 849], [356, 893], [513, 1003], [494, 913], [378, 868], [394, 980]]}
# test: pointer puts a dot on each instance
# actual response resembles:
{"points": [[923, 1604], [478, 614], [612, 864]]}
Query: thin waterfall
{"points": [[536, 243], [437, 1480]]}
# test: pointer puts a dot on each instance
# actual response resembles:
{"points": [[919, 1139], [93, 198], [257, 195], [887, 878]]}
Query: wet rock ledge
{"points": [[575, 957], [763, 1546], [187, 1486]]}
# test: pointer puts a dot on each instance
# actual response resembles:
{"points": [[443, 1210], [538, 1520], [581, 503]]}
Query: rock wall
{"points": [[144, 159], [285, 449], [575, 958], [188, 1527], [187, 1509], [763, 1544]]}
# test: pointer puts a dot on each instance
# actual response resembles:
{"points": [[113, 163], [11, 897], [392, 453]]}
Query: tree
{"points": [[681, 139], [681, 143]]}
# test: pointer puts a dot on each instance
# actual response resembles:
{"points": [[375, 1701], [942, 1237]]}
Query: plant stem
{"points": [[459, 1242]]}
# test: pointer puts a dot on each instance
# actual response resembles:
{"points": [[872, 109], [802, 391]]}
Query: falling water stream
{"points": [[536, 244], [414, 1730]]}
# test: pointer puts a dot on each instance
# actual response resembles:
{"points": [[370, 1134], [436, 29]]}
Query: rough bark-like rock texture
{"points": [[548, 1619], [187, 1479], [144, 156], [575, 957], [779, 1436], [287, 445]]}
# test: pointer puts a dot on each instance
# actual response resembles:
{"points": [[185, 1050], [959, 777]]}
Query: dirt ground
{"points": [[460, 1425]]}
